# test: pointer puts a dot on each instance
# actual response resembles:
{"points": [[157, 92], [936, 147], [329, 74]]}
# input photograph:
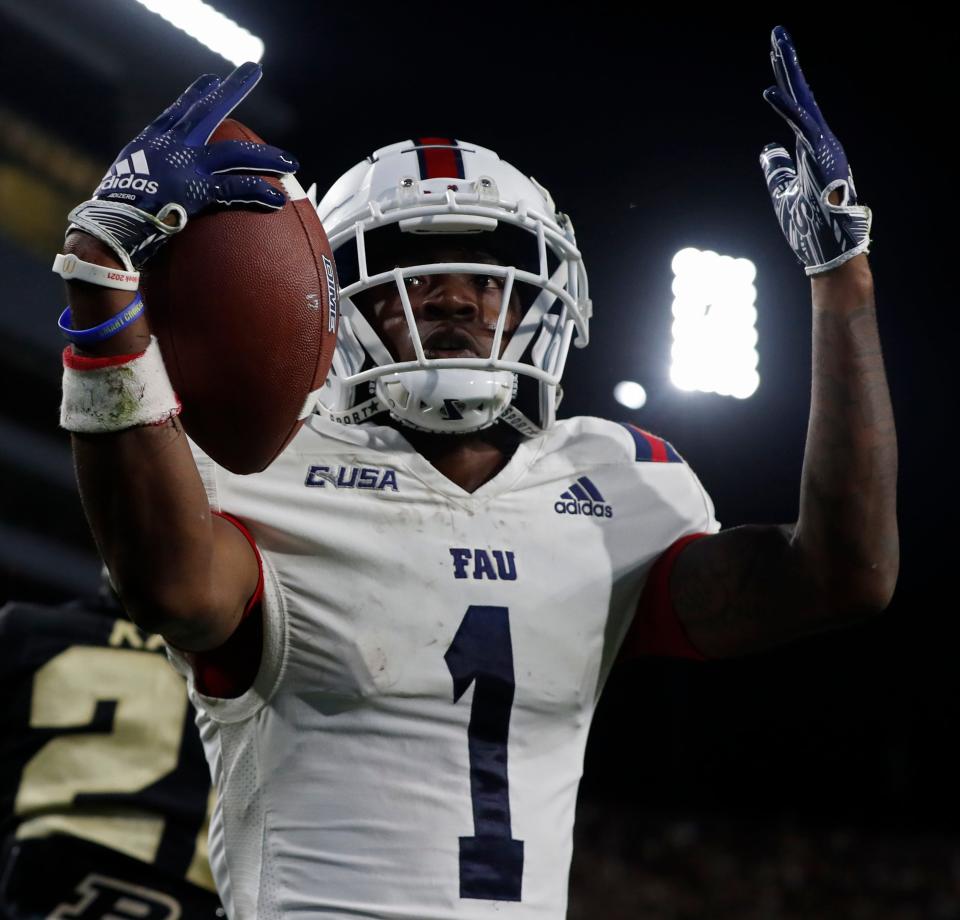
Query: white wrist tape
{"points": [[70, 268], [111, 394]]}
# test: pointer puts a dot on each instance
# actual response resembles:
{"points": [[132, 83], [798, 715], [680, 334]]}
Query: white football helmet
{"points": [[444, 186]]}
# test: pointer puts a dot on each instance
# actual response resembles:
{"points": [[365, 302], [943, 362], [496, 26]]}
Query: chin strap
{"points": [[516, 419], [356, 415]]}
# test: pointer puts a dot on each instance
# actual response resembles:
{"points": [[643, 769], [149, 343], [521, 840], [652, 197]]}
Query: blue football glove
{"points": [[169, 172], [823, 235]]}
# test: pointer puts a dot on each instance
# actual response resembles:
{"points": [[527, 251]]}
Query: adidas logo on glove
{"points": [[127, 178]]}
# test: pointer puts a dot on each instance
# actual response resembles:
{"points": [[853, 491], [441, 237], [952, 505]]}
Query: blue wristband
{"points": [[111, 327]]}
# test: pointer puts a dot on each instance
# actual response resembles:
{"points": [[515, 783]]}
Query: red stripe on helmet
{"points": [[442, 161]]}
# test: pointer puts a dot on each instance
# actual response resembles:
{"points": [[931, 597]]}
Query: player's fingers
{"points": [[202, 118], [786, 67], [803, 125], [249, 190], [778, 168], [203, 84], [237, 156]]}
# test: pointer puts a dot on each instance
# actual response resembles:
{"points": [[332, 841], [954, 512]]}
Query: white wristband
{"points": [[70, 268], [101, 395]]}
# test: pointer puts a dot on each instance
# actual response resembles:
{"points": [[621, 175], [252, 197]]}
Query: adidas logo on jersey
{"points": [[583, 497], [126, 177]]}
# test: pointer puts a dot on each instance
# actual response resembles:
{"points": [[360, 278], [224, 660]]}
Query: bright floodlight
{"points": [[714, 332], [209, 27], [630, 394]]}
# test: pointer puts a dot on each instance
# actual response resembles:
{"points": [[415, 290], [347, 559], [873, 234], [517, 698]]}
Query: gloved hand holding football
{"points": [[168, 172], [242, 301]]}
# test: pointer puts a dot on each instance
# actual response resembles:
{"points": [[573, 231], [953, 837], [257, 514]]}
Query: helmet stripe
{"points": [[439, 162]]}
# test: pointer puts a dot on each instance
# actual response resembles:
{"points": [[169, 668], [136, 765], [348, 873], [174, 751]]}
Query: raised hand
{"points": [[169, 172], [823, 234]]}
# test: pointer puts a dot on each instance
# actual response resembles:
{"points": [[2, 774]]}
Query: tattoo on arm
{"points": [[848, 492], [752, 587]]}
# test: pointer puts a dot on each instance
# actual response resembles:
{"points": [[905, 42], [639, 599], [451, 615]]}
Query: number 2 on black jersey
{"points": [[491, 862]]}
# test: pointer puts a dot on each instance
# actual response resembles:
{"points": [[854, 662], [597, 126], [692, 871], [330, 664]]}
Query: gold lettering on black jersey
{"points": [[142, 748], [102, 896], [125, 634]]}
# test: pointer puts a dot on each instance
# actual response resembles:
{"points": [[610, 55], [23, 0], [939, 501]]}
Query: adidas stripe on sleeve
{"points": [[656, 628]]}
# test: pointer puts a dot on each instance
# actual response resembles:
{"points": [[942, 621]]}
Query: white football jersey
{"points": [[413, 742]]}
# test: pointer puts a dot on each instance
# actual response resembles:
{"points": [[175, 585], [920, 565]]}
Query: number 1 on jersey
{"points": [[491, 862]]}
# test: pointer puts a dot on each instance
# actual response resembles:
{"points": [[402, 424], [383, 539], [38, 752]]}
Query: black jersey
{"points": [[101, 766]]}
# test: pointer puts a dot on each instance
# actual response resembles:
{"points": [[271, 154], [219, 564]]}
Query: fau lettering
{"points": [[501, 567], [352, 477]]}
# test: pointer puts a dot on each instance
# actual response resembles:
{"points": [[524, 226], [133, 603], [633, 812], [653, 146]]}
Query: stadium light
{"points": [[629, 393], [209, 27], [714, 324]]}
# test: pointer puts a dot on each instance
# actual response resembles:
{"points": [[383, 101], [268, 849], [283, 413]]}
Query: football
{"points": [[244, 306]]}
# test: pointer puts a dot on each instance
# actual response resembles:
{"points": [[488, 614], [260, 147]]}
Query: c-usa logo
{"points": [[352, 477]]}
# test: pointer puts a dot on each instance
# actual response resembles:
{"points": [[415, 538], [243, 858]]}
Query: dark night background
{"points": [[647, 132]]}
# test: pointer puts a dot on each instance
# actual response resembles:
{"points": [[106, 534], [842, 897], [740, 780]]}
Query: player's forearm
{"points": [[847, 527], [140, 488], [150, 517]]}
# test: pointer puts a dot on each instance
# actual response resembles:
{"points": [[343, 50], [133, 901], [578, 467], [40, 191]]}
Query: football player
{"points": [[104, 790], [396, 635]]}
